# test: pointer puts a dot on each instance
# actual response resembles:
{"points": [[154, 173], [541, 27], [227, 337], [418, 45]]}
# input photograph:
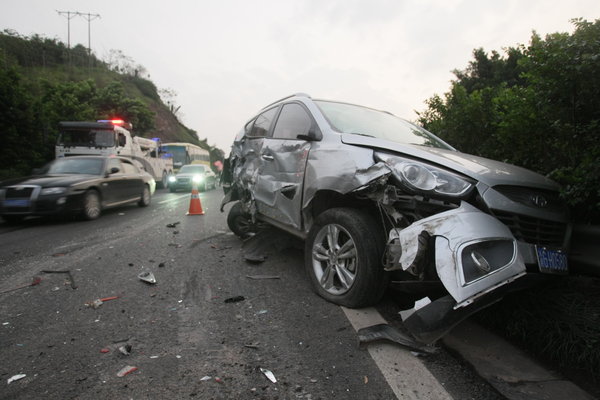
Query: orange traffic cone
{"points": [[195, 205]]}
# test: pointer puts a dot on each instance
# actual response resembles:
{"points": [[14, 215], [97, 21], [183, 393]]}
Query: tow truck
{"points": [[113, 137]]}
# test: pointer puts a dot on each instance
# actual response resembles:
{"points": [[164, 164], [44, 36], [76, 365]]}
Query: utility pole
{"points": [[89, 17], [70, 15]]}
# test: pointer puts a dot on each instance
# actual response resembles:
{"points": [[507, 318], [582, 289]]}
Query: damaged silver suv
{"points": [[370, 193]]}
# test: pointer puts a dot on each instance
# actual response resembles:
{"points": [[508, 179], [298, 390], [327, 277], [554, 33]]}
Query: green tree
{"points": [[538, 107]]}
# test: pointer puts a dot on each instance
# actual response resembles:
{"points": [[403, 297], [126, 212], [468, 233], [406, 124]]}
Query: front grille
{"points": [[537, 198], [14, 193], [533, 230], [183, 180]]}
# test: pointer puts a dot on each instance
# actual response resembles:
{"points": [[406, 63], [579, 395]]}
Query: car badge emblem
{"points": [[539, 200]]}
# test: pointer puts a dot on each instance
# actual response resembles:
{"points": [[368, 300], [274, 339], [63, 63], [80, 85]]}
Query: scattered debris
{"points": [[147, 277], [173, 225], [269, 375], [130, 264], [261, 277], [176, 245], [36, 281], [126, 370], [161, 265], [109, 298], [55, 289], [387, 332], [175, 232], [125, 350], [252, 346], [261, 312], [219, 380], [153, 357], [15, 378], [366, 379], [235, 299], [94, 304], [105, 350], [64, 271], [205, 378], [254, 258]]}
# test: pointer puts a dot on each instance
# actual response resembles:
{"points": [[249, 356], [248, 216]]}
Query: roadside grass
{"points": [[559, 322]]}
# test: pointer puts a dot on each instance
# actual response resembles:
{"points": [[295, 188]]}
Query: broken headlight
{"points": [[421, 177]]}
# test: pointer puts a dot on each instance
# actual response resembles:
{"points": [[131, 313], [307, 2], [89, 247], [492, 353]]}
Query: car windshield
{"points": [[192, 169], [89, 166], [87, 137], [358, 120]]}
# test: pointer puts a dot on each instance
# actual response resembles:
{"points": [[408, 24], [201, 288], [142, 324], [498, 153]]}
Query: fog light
{"points": [[480, 262], [61, 200], [483, 258]]}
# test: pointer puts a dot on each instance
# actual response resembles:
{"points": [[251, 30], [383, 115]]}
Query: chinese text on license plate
{"points": [[552, 261]]}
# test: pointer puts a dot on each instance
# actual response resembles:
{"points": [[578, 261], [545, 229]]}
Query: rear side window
{"points": [[129, 168], [263, 123], [293, 121]]}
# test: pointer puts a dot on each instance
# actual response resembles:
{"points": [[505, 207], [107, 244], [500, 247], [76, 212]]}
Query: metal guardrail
{"points": [[584, 256]]}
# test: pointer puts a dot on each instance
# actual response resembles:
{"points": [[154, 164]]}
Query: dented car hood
{"points": [[484, 170]]}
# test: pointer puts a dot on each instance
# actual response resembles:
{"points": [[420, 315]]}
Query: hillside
{"points": [[43, 82]]}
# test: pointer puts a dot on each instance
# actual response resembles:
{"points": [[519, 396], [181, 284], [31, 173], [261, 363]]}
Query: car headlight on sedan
{"points": [[172, 179], [53, 190], [425, 178], [197, 178]]}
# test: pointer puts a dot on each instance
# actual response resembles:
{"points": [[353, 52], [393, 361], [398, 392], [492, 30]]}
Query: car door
{"points": [[114, 184], [283, 158], [133, 182]]}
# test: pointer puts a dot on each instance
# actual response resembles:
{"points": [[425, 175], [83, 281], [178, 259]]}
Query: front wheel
{"points": [[91, 205], [145, 198], [343, 258], [240, 222]]}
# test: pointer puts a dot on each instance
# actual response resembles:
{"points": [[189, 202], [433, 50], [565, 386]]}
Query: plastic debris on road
{"points": [[262, 277], [105, 350], [205, 378], [125, 350], [269, 375], [173, 225], [15, 378], [94, 304], [36, 281], [126, 370], [235, 299], [147, 277]]}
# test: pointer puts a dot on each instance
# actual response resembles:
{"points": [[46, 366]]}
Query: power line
{"points": [[89, 17]]}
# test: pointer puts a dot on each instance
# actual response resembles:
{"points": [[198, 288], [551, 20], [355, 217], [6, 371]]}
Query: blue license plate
{"points": [[552, 261], [16, 203]]}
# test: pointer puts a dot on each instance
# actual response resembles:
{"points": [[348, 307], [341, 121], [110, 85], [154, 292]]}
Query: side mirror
{"points": [[313, 135], [114, 170]]}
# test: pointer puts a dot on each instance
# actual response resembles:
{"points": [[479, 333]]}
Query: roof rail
{"points": [[285, 98]]}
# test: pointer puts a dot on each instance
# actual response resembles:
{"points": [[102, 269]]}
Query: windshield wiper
{"points": [[361, 134]]}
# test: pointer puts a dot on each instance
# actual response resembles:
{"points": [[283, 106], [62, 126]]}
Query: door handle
{"points": [[267, 157]]}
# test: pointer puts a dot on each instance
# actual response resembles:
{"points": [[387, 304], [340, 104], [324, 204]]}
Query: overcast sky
{"points": [[227, 59]]}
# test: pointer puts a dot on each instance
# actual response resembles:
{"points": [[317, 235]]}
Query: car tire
{"points": [[240, 222], [164, 182], [351, 274], [92, 206], [146, 197]]}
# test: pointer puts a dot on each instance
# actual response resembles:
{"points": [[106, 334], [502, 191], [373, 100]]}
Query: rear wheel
{"points": [[240, 222], [164, 182], [145, 197], [91, 205], [343, 258]]}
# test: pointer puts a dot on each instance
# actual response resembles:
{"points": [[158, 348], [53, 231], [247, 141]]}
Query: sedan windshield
{"points": [[90, 166], [358, 120], [192, 169]]}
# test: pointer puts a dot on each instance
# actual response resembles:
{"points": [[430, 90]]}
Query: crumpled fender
{"points": [[453, 231]]}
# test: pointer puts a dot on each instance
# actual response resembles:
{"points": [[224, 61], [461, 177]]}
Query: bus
{"points": [[186, 153]]}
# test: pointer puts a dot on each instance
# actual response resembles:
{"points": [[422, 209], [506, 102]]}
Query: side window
{"points": [[129, 168], [114, 163], [292, 121], [263, 123]]}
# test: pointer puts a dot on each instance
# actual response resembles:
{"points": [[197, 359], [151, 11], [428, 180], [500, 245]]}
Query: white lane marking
{"points": [[406, 374], [173, 200]]}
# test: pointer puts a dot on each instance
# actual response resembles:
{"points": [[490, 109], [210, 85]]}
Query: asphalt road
{"points": [[185, 339]]}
